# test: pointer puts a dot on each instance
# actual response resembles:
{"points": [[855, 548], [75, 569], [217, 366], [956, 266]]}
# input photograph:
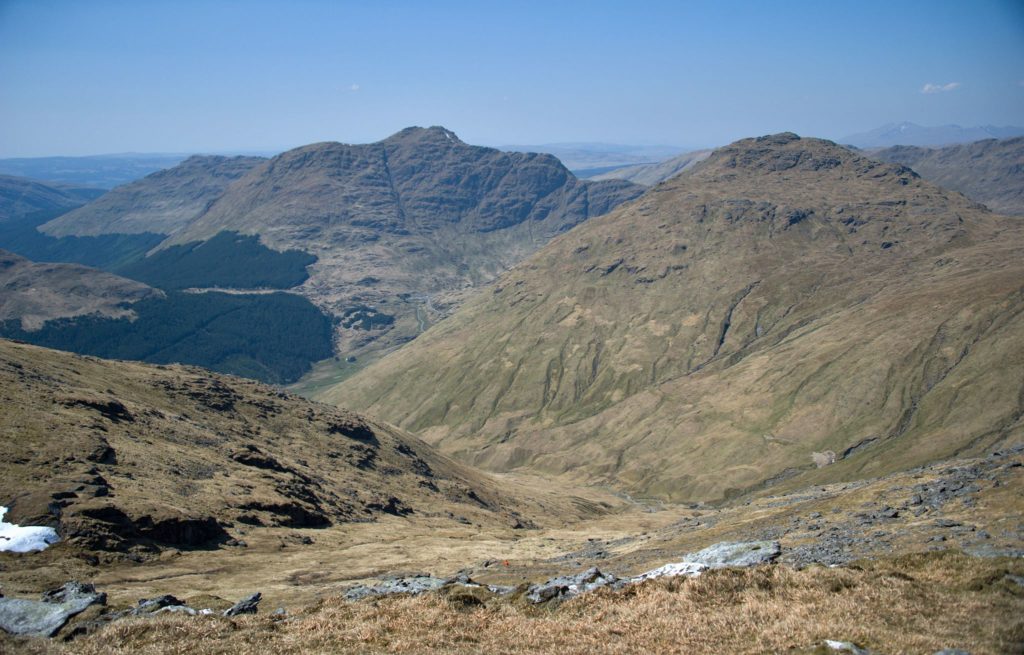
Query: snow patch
{"points": [[18, 539]]}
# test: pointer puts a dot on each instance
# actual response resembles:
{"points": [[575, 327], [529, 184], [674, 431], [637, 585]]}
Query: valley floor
{"points": [[911, 562]]}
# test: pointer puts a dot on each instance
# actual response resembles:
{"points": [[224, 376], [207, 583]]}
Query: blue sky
{"points": [[101, 76]]}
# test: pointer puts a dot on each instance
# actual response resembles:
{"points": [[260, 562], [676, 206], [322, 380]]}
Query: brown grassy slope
{"points": [[783, 298], [124, 456], [989, 171], [35, 293], [912, 604]]}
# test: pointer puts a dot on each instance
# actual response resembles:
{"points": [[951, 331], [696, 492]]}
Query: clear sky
{"points": [[102, 76]]}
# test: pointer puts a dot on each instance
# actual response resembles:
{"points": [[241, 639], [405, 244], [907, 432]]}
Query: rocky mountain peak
{"points": [[786, 151], [422, 135]]}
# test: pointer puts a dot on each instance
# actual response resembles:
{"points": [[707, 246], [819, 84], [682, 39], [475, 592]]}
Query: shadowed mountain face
{"points": [[35, 293], [161, 203], [990, 171], [400, 228], [785, 305], [21, 197], [124, 456]]}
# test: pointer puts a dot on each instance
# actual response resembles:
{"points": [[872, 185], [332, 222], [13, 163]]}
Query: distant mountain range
{"points": [[910, 134], [21, 197], [101, 171], [97, 171], [989, 171], [651, 174], [588, 159]]}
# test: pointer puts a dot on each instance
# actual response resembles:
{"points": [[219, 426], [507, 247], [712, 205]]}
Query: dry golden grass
{"points": [[909, 604]]}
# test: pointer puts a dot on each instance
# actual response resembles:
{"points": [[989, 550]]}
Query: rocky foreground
{"points": [[926, 561], [940, 603]]}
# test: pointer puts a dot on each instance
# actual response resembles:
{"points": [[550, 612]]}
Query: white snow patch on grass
{"points": [[18, 539]]}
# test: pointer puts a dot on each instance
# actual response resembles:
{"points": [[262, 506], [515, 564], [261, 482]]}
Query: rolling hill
{"points": [[786, 312]]}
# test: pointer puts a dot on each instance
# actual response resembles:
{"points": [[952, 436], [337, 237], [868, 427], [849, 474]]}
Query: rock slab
{"points": [[44, 618]]}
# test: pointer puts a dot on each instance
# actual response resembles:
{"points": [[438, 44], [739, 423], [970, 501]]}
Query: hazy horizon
{"points": [[114, 77]]}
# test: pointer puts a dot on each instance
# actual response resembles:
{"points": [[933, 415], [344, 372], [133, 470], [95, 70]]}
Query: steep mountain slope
{"points": [[911, 134], [163, 202], [20, 197], [35, 293], [786, 304], [124, 456], [651, 174], [989, 171]]}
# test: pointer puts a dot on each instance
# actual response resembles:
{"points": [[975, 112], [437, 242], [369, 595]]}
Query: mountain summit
{"points": [[784, 305]]}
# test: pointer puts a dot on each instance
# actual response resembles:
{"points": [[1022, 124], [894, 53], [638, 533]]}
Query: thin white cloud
{"points": [[354, 88], [940, 88]]}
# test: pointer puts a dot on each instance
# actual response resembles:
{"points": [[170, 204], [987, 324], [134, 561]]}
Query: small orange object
{"points": [[506, 562]]}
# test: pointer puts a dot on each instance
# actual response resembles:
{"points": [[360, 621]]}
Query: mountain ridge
{"points": [[401, 229]]}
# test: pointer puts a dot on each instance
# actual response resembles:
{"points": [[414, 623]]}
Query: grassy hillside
{"points": [[784, 305]]}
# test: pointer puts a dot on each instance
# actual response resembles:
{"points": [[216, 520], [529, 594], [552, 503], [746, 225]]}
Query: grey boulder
{"points": [[568, 586], [248, 605], [44, 618]]}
